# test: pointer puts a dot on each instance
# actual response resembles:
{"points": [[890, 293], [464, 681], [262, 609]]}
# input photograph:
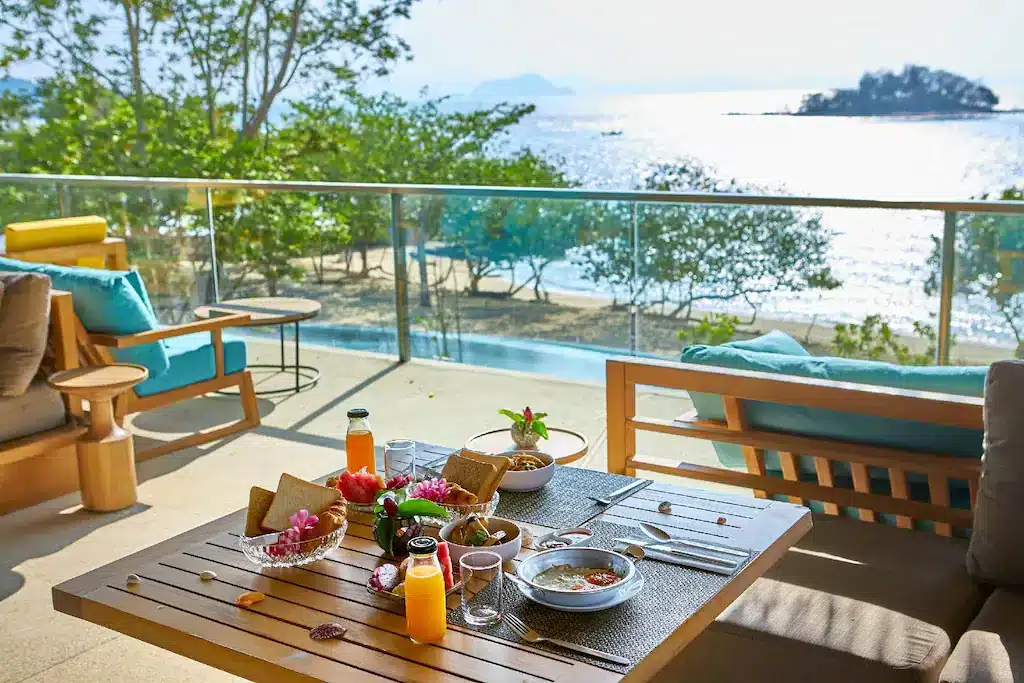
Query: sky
{"points": [[623, 45]]}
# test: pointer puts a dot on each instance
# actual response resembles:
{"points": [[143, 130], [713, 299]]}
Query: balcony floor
{"points": [[303, 434]]}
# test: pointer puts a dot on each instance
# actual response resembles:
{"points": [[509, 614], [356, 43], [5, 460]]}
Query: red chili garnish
{"points": [[602, 578]]}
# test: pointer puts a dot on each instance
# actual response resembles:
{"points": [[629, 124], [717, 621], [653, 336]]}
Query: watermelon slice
{"points": [[444, 557]]}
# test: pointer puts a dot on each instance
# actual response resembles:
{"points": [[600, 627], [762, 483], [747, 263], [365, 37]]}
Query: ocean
{"points": [[880, 256]]}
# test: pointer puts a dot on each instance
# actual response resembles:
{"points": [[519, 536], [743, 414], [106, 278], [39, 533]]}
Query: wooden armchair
{"points": [[187, 363]]}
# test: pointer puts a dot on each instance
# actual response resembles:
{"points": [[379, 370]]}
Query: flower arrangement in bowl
{"points": [[294, 546], [527, 428], [398, 519]]}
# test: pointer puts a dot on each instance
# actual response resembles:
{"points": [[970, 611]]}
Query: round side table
{"points": [[106, 454], [564, 445], [267, 311]]}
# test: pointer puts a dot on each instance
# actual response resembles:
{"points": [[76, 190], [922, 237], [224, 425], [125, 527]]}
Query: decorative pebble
{"points": [[249, 598], [327, 631], [208, 575], [721, 520], [132, 580], [665, 507]]}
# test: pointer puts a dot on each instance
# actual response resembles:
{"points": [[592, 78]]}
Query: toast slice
{"points": [[259, 502], [501, 464], [294, 494]]}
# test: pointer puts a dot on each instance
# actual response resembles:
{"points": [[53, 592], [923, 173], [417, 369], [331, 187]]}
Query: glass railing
{"points": [[555, 281]]}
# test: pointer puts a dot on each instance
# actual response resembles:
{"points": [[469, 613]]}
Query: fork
{"points": [[531, 636]]}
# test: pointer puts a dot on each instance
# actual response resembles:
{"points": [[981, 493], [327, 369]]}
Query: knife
{"points": [[665, 549], [618, 494]]}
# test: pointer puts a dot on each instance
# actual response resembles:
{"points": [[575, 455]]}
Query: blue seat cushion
{"points": [[192, 361], [107, 302], [839, 425]]}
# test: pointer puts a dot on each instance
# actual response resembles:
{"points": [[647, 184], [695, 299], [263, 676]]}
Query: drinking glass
{"points": [[481, 574], [399, 458]]}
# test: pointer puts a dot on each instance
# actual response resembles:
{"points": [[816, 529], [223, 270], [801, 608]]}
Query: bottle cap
{"points": [[422, 545], [358, 412]]}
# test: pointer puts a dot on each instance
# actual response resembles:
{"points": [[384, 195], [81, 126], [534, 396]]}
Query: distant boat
{"points": [[611, 133]]}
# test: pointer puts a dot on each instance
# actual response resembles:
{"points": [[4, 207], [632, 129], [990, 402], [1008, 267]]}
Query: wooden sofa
{"points": [[39, 466], [862, 597]]}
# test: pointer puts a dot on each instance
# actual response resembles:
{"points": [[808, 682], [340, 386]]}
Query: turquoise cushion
{"points": [[775, 341], [192, 361], [818, 422], [107, 302]]}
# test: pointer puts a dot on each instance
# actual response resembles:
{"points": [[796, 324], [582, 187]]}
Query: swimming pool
{"points": [[559, 359]]}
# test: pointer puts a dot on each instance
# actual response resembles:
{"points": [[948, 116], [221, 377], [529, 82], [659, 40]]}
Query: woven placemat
{"points": [[671, 595], [563, 503]]}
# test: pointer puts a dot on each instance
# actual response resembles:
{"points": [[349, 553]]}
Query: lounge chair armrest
{"points": [[128, 340]]}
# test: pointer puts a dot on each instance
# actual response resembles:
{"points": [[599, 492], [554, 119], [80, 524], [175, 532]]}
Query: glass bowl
{"points": [[459, 511], [261, 549]]}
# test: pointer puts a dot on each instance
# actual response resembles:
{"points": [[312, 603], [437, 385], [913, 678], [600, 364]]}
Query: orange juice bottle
{"points": [[425, 606], [359, 441]]}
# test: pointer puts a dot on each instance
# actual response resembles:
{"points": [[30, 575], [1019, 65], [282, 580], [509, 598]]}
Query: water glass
{"points": [[399, 458], [481, 574]]}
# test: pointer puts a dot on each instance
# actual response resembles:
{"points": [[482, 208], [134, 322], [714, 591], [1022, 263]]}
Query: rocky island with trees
{"points": [[915, 90]]}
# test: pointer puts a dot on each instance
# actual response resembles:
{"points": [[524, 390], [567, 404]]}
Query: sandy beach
{"points": [[351, 299]]}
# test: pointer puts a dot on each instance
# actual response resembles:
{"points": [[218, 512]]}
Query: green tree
{"points": [[873, 339], [689, 254], [985, 263]]}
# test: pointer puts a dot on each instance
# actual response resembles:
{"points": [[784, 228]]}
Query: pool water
{"points": [[558, 359]]}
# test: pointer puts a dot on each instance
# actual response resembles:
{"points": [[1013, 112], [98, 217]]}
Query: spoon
{"points": [[662, 536], [636, 552]]}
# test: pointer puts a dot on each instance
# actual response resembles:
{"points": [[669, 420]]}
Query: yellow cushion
{"points": [[58, 232]]}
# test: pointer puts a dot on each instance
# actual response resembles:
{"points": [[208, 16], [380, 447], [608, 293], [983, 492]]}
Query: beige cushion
{"points": [[992, 650], [24, 324], [996, 553], [853, 601], [40, 408]]}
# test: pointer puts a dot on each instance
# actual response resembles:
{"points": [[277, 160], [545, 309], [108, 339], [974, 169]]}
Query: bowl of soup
{"points": [[576, 576]]}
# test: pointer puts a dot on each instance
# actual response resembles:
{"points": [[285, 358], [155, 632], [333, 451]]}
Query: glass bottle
{"points": [[359, 441], [425, 600]]}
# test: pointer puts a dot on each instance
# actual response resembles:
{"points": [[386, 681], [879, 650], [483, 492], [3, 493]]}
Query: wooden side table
{"points": [[106, 454], [564, 445]]}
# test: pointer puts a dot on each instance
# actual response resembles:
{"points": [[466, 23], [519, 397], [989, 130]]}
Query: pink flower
{"points": [[304, 521], [528, 415], [435, 490]]}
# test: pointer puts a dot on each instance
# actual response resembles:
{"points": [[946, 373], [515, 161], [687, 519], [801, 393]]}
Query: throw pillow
{"points": [[24, 326], [775, 341], [996, 555]]}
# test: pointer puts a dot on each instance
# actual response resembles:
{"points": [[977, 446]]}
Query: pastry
{"points": [[331, 518], [460, 496], [294, 494]]}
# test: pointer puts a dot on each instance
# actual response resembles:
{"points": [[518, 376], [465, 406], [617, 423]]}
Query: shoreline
{"points": [[918, 116], [591, 320]]}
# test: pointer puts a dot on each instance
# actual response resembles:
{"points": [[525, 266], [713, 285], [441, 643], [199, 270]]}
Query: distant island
{"points": [[527, 85], [915, 90]]}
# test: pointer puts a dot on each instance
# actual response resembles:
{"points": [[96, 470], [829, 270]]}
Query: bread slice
{"points": [[500, 463], [259, 502], [294, 494], [473, 475]]}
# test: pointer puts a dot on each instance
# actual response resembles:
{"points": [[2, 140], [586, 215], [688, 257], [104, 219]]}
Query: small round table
{"points": [[106, 454], [564, 445], [274, 310]]}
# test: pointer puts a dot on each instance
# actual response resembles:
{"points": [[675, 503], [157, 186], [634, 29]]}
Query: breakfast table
{"points": [[172, 607]]}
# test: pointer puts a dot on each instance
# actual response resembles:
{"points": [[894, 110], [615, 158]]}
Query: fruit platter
{"points": [[388, 580]]}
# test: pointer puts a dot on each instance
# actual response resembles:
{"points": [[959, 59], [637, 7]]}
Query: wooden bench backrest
{"points": [[736, 387]]}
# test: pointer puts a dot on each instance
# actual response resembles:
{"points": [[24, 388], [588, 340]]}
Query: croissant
{"points": [[460, 496]]}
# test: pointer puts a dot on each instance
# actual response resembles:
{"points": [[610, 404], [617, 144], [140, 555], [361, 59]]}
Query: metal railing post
{"points": [[634, 310], [64, 199], [401, 280], [946, 288], [214, 269]]}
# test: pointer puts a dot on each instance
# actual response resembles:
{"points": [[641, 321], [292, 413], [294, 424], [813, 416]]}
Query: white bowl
{"points": [[577, 557], [530, 480], [508, 549]]}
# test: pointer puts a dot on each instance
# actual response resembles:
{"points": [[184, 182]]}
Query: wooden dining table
{"points": [[173, 608]]}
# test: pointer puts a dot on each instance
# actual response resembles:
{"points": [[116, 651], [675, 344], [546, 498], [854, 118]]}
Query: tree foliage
{"points": [[688, 254], [915, 90], [982, 241]]}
